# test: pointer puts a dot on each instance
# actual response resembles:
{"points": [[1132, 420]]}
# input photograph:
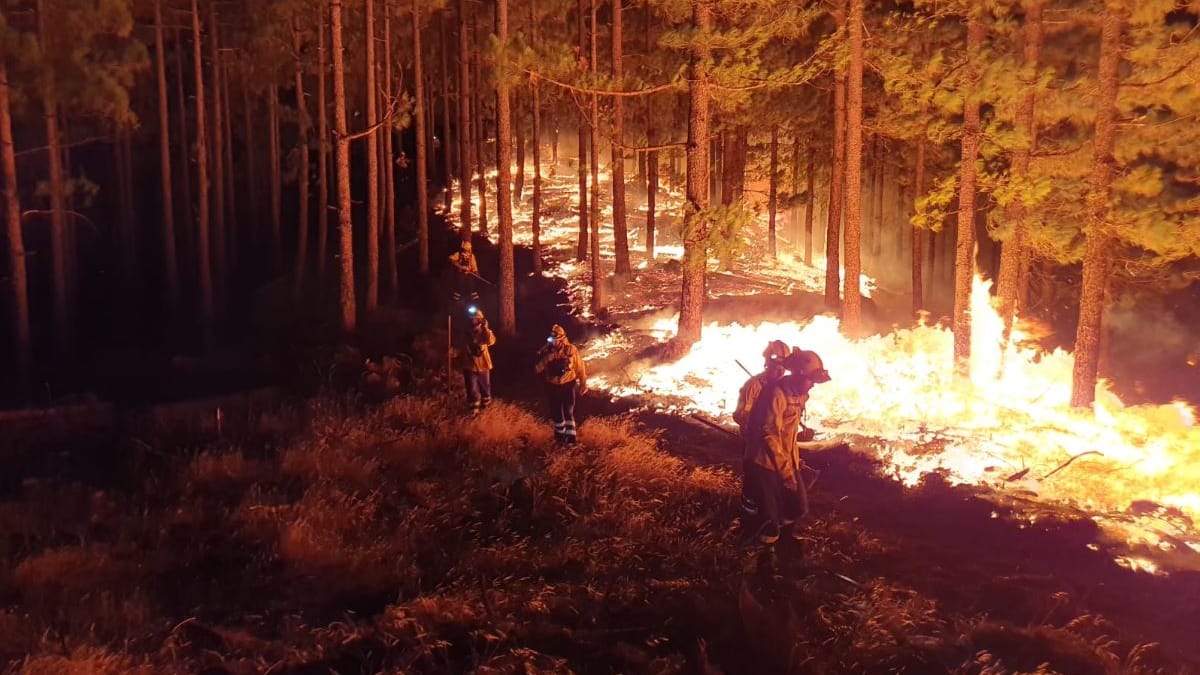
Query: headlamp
{"points": [[471, 310]]}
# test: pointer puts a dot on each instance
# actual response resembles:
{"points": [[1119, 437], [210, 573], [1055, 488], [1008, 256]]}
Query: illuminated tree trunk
{"points": [[837, 184], [345, 226], [372, 286], [1097, 259], [58, 209], [276, 176], [231, 220], [207, 306], [252, 182], [422, 166], [695, 229], [597, 304], [918, 297], [322, 153], [809, 206], [19, 281], [387, 163], [466, 161], [508, 288], [218, 161], [964, 252], [519, 146], [536, 105], [171, 262], [1013, 252], [480, 138], [184, 151], [302, 173], [581, 250], [620, 219], [447, 135], [851, 298], [773, 191], [651, 185]]}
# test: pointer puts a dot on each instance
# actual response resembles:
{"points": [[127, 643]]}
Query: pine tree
{"points": [[22, 357], [422, 165], [695, 228], [203, 241], [300, 269], [851, 298], [508, 312], [170, 260], [620, 220], [964, 258], [345, 225]]}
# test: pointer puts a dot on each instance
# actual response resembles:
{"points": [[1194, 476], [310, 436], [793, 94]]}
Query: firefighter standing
{"points": [[772, 445], [564, 374], [773, 371], [466, 271], [476, 361]]}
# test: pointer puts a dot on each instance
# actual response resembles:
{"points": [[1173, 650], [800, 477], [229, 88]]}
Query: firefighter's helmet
{"points": [[776, 350], [807, 364]]}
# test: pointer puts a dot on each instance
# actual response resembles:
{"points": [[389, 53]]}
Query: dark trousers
{"points": [[561, 398], [777, 503], [479, 388]]}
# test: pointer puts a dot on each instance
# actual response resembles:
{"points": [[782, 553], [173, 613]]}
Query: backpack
{"points": [[558, 366]]}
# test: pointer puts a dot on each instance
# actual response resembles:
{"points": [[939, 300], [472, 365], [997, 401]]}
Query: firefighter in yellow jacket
{"points": [[772, 445], [773, 371], [466, 271], [564, 375], [476, 361]]}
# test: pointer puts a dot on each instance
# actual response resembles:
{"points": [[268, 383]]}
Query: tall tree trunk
{"points": [[536, 105], [795, 231], [1013, 252], [302, 171], [252, 182], [387, 134], [447, 135], [1097, 259], [19, 282], [218, 160], [773, 191], [695, 239], [837, 184], [480, 135], [184, 150], [371, 301], [918, 288], [624, 269], [651, 184], [508, 288], [465, 149], [851, 298], [58, 210], [581, 250], [597, 304], [276, 177], [345, 225], [170, 262], [322, 153], [231, 219], [810, 205], [519, 133], [422, 178], [207, 305], [964, 252], [127, 237]]}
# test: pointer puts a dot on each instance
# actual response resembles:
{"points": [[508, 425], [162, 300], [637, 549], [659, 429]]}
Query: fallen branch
{"points": [[1072, 459]]}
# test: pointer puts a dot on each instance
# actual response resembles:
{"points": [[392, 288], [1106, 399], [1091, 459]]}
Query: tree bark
{"points": [[1013, 252], [773, 191], [964, 252], [371, 301], [322, 153], [231, 220], [624, 269], [422, 151], [837, 184], [581, 250], [302, 171], [252, 182], [187, 242], [59, 250], [466, 162], [536, 104], [345, 226], [276, 177], [218, 161], [810, 205], [651, 184], [508, 288], [918, 250], [1097, 259], [519, 134], [447, 135], [480, 135], [851, 294], [170, 261], [19, 282], [695, 241], [207, 304], [597, 304]]}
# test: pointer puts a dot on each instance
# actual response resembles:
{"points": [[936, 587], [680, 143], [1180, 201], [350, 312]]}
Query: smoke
{"points": [[1151, 353]]}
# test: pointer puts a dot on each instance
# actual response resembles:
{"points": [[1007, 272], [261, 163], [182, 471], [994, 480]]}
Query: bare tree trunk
{"points": [[58, 215], [773, 191], [508, 306], [127, 235], [218, 160], [207, 306], [422, 178], [624, 269], [1014, 254], [387, 152], [480, 135], [695, 231], [851, 298], [918, 288], [809, 206], [837, 184], [322, 153], [651, 184], [597, 304], [536, 105], [581, 250], [447, 142], [964, 253], [795, 231], [252, 182], [170, 262], [184, 149], [231, 219], [1097, 259], [371, 300], [345, 225], [466, 164], [19, 283], [519, 133], [302, 172], [276, 177]]}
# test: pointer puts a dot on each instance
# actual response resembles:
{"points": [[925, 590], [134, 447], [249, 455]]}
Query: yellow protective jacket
{"points": [[772, 426], [464, 262], [750, 392], [561, 350], [476, 357]]}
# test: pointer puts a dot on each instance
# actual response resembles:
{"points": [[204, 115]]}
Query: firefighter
{"points": [[773, 370], [476, 361], [772, 444], [564, 374], [466, 271]]}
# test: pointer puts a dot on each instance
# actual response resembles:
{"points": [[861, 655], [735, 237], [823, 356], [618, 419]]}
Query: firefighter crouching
{"points": [[775, 465], [476, 361], [773, 371], [564, 374]]}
